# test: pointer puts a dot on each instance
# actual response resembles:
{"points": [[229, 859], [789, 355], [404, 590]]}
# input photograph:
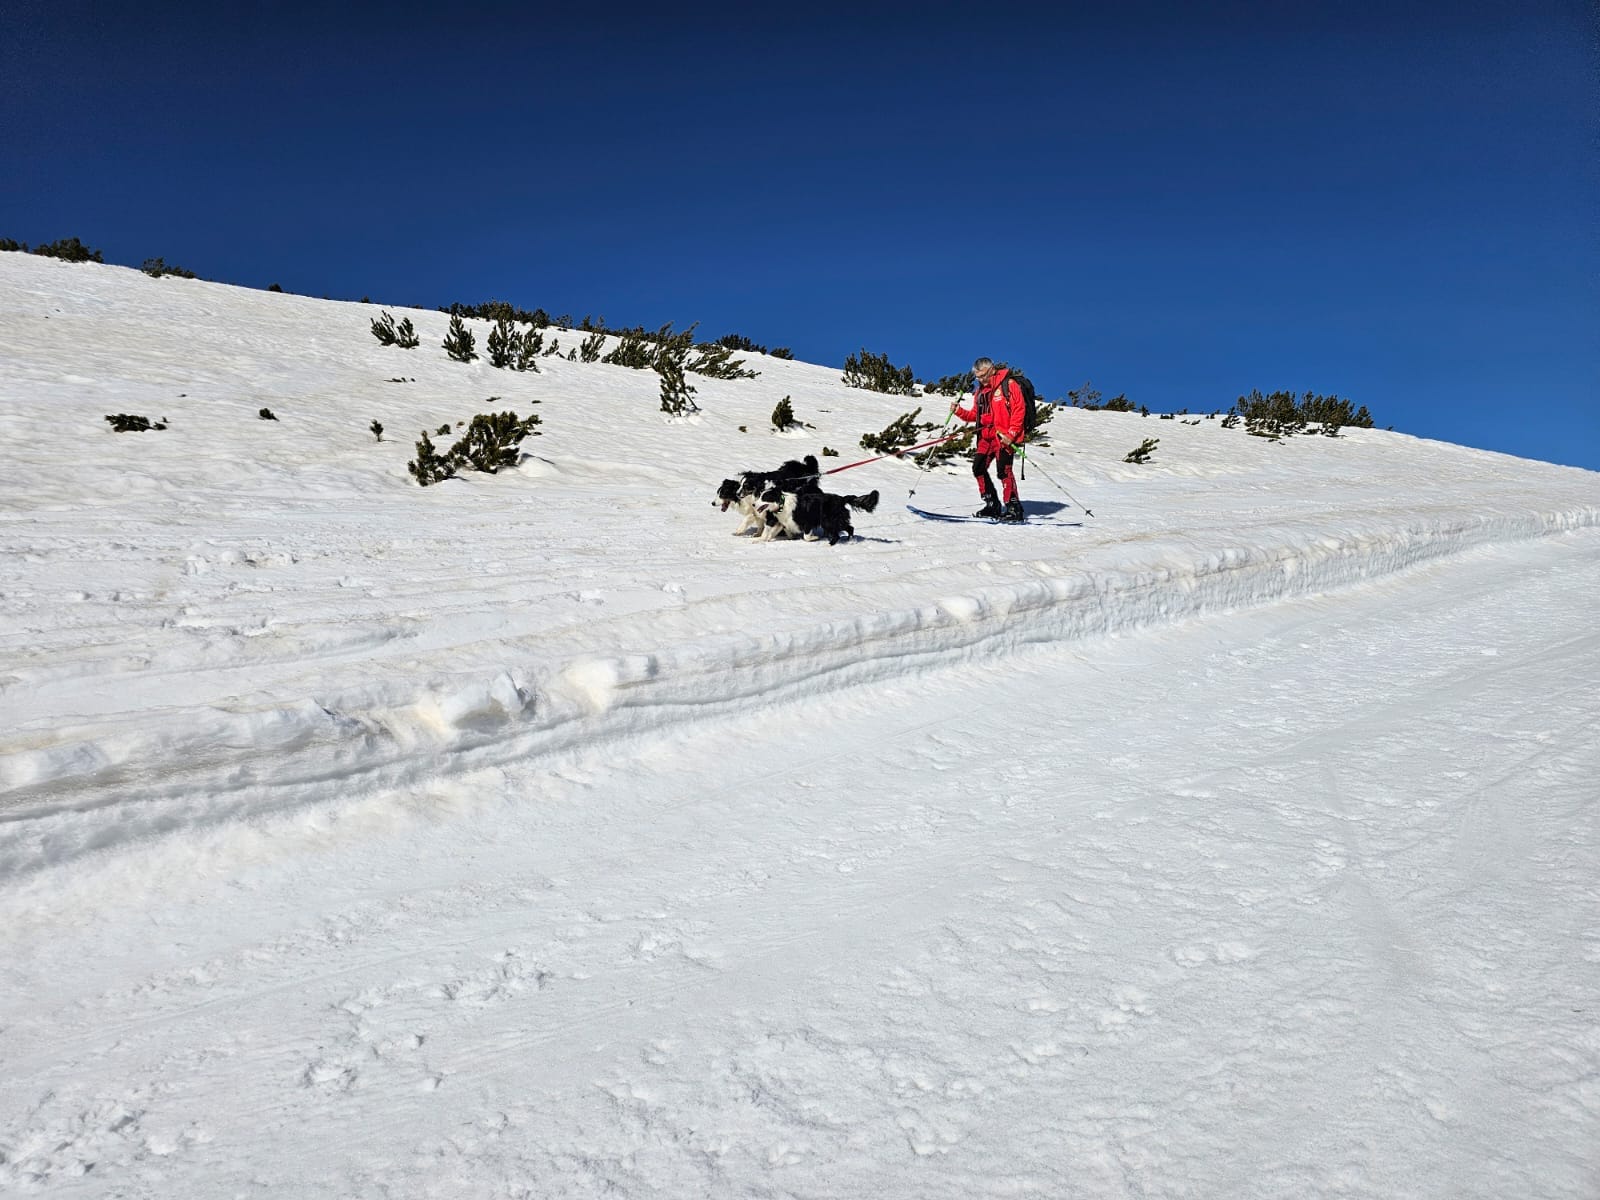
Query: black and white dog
{"points": [[744, 490], [802, 514]]}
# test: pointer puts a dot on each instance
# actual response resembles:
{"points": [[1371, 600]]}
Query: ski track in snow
{"points": [[531, 836]]}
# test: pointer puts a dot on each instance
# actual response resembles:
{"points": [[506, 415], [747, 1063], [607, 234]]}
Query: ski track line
{"points": [[221, 763]]}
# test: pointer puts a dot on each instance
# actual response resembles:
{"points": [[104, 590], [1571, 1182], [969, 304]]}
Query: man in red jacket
{"points": [[998, 408]]}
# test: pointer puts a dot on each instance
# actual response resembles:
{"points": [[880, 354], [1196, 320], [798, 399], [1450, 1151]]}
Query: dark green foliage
{"points": [[405, 336], [1143, 411], [266, 414], [129, 423], [634, 350], [953, 385], [10, 244], [953, 447], [589, 351], [274, 287], [383, 329], [828, 452], [875, 373], [490, 442], [529, 342], [782, 352], [495, 310], [443, 430], [1085, 396], [377, 430], [901, 432], [677, 393], [1165, 416], [459, 341], [69, 250], [783, 415], [1229, 421], [430, 466], [502, 343], [1275, 416], [555, 347], [156, 268], [1141, 453], [737, 341], [716, 361]]}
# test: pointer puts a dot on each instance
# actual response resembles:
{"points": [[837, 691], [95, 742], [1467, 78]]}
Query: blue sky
{"points": [[1397, 203]]}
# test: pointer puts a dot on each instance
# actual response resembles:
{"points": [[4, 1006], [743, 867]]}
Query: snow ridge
{"points": [[200, 766]]}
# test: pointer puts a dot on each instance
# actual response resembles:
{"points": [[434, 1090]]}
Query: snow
{"points": [[529, 835]]}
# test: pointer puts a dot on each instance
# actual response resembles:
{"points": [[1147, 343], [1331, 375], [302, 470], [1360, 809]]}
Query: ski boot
{"points": [[991, 508], [1012, 513]]}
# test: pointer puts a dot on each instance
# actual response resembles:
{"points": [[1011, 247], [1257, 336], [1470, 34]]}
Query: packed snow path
{"points": [[1299, 902]]}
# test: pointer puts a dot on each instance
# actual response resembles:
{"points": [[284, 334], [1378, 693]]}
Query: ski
{"points": [[1028, 520]]}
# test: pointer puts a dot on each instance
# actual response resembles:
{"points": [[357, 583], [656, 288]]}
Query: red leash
{"points": [[896, 454]]}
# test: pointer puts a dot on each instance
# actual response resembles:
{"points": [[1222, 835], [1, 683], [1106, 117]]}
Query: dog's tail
{"points": [[865, 503]]}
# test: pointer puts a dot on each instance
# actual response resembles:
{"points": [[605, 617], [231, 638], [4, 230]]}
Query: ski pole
{"points": [[928, 461], [1022, 454]]}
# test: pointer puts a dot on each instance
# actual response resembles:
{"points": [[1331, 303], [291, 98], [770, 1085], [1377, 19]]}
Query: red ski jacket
{"points": [[998, 408]]}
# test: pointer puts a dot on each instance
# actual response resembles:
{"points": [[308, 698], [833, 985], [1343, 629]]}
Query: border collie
{"points": [[801, 514], [745, 488]]}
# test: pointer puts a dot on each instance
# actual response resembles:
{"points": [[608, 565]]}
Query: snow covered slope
{"points": [[530, 835], [257, 612]]}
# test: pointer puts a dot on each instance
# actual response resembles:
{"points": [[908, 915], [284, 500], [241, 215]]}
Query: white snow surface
{"points": [[530, 835]]}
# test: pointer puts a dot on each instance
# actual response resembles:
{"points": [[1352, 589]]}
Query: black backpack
{"points": [[1030, 401]]}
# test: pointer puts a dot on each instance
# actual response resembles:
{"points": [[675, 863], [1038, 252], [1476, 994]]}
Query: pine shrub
{"points": [[782, 352], [266, 414], [405, 336], [783, 415], [716, 361], [130, 423], [502, 343], [1141, 453], [490, 443], [69, 250], [900, 433], [377, 430], [528, 343], [953, 385], [458, 343], [633, 350], [589, 350], [1084, 397], [829, 452], [383, 329], [430, 467], [9, 244], [677, 393], [156, 268], [875, 373]]}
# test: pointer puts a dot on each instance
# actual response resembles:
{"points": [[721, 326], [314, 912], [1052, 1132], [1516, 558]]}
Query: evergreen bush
{"points": [[502, 343], [633, 350], [156, 268], [677, 393], [130, 423], [9, 244], [781, 352], [783, 416], [1141, 453], [528, 343], [589, 350], [459, 341], [383, 329], [490, 443], [900, 433], [953, 385], [405, 336], [875, 373], [377, 430], [69, 250], [716, 361], [266, 414]]}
